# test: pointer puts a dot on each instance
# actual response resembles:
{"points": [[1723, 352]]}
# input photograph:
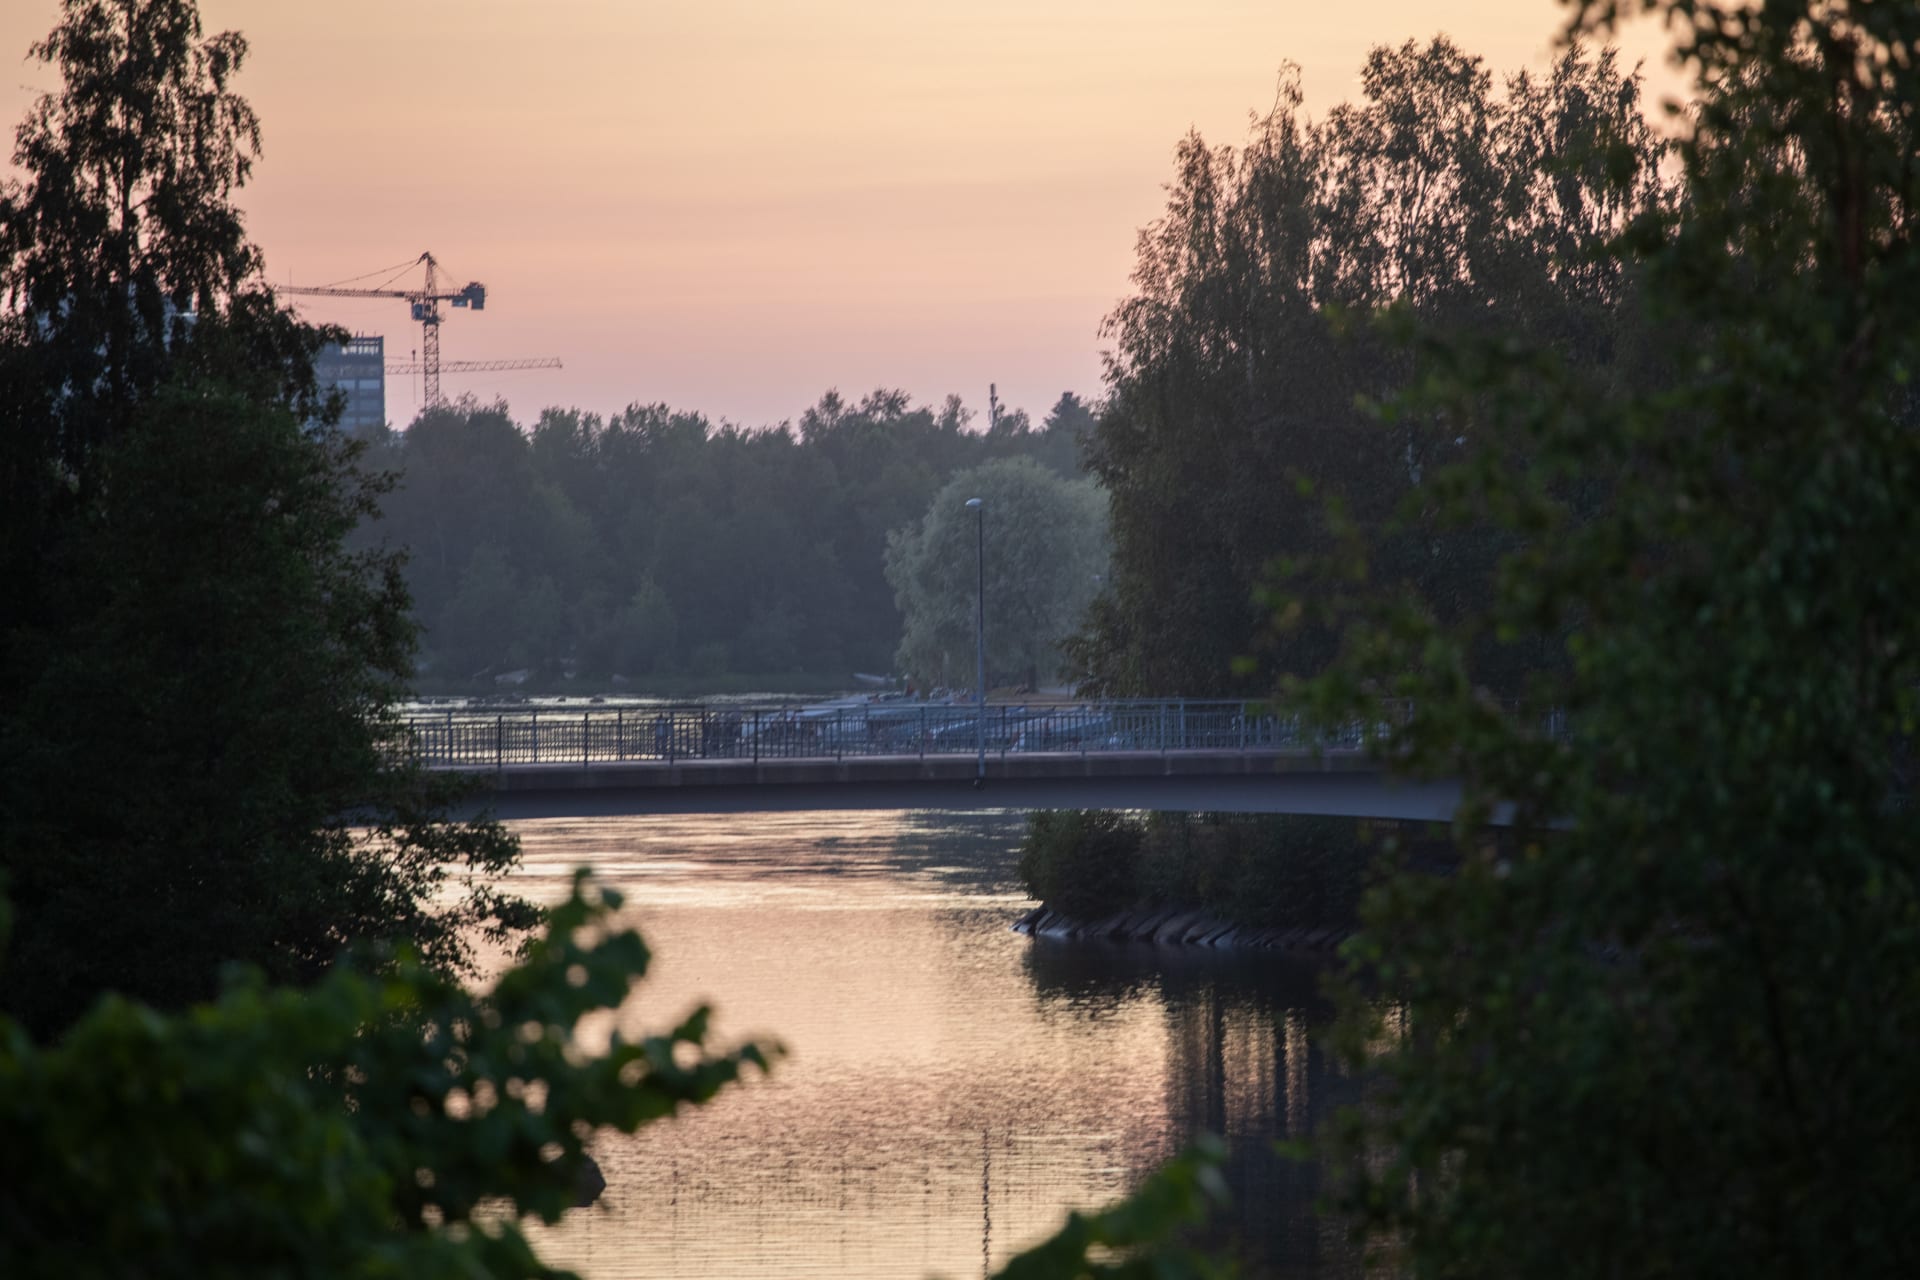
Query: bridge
{"points": [[1175, 754]]}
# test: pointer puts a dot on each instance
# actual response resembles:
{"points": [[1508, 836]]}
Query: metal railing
{"points": [[496, 739]]}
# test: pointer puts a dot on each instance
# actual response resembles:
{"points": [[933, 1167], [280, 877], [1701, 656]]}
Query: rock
{"points": [[1174, 928], [1055, 925]]}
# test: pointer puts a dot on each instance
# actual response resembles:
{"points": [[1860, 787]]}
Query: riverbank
{"points": [[1265, 881], [1179, 927]]}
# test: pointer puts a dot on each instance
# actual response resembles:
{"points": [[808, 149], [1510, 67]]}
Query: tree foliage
{"points": [[195, 671], [1666, 1024], [1236, 370], [1044, 541], [122, 257], [199, 755]]}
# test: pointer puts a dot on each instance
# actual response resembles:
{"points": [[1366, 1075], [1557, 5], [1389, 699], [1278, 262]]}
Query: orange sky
{"points": [[732, 205]]}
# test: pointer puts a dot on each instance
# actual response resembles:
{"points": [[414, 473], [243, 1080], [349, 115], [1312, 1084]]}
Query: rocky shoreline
{"points": [[1176, 927]]}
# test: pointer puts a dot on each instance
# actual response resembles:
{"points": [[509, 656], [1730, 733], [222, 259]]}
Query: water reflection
{"points": [[1241, 1063], [952, 1087]]}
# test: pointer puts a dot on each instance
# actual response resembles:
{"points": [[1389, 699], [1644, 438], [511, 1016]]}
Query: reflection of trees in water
{"points": [[1244, 1060]]}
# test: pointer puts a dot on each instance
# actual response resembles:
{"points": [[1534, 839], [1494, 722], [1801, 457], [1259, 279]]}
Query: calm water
{"points": [[952, 1088]]}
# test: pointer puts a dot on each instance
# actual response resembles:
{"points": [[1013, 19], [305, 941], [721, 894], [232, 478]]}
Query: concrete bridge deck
{"points": [[1266, 780]]}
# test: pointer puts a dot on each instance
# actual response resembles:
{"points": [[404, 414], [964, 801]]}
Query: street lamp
{"points": [[979, 510]]}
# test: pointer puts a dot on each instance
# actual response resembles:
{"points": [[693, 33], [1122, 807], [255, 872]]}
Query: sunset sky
{"points": [[733, 205]]}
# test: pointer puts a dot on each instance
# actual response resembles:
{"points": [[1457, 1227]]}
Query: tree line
{"points": [[656, 543]]}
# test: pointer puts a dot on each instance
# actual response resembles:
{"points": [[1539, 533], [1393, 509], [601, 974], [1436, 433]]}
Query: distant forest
{"points": [[657, 546]]}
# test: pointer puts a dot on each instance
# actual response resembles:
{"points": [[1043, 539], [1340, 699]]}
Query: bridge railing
{"points": [[474, 738]]}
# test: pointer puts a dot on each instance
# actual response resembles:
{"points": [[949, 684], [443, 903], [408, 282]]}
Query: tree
{"points": [[122, 257], [1231, 417], [1063, 433], [1665, 1024], [196, 687], [198, 752], [1045, 551]]}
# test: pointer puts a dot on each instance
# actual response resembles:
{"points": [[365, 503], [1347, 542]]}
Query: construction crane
{"points": [[426, 302], [474, 366]]}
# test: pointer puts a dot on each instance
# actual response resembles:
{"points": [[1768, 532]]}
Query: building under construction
{"points": [[358, 370]]}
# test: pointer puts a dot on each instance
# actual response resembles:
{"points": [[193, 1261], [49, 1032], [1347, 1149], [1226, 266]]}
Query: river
{"points": [[951, 1087]]}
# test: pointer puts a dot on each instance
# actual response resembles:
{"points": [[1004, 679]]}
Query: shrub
{"points": [[1084, 862]]}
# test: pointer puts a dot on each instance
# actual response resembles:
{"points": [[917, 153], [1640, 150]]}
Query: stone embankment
{"points": [[1175, 927]]}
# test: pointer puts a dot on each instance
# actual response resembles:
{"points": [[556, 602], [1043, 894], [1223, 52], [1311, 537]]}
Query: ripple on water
{"points": [[952, 1088]]}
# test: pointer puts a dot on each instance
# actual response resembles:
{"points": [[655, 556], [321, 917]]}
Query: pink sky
{"points": [[732, 205]]}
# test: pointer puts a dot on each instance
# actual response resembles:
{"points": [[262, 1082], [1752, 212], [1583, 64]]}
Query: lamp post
{"points": [[979, 510]]}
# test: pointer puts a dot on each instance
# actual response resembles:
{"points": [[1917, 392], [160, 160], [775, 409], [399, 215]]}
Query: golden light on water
{"points": [[951, 1088]]}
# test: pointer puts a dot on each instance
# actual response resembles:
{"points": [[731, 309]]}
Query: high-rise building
{"points": [[358, 370]]}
